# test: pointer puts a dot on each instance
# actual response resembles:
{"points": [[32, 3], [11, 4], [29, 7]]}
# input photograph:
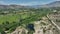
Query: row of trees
{"points": [[6, 26]]}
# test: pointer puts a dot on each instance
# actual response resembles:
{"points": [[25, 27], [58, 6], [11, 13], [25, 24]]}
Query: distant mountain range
{"points": [[53, 4], [10, 6]]}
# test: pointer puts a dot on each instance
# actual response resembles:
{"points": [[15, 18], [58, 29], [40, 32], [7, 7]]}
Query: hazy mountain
{"points": [[53, 4], [11, 6]]}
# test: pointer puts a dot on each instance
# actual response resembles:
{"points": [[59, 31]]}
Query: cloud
{"points": [[33, 3], [23, 3], [26, 3], [3, 3]]}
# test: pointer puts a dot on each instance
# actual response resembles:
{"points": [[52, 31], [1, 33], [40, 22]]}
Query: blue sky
{"points": [[26, 2]]}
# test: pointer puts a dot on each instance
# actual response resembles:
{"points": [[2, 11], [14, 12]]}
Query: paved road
{"points": [[52, 22]]}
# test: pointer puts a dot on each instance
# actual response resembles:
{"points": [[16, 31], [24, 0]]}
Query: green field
{"points": [[9, 22]]}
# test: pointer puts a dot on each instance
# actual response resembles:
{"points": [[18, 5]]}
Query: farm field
{"points": [[10, 21]]}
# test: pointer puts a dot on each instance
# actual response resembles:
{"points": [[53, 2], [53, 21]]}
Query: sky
{"points": [[26, 2]]}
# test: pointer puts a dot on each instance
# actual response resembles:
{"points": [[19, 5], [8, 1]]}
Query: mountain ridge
{"points": [[13, 6]]}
